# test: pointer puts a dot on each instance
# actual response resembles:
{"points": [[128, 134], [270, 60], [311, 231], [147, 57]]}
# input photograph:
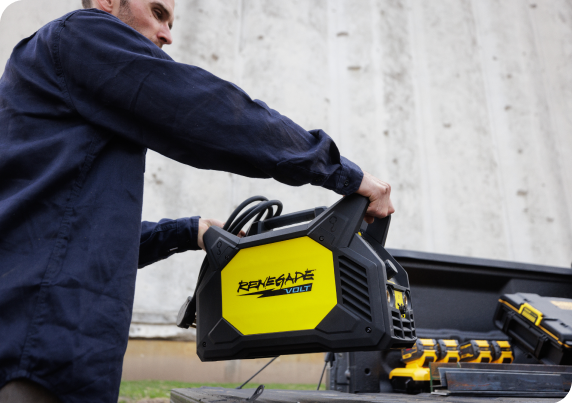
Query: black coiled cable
{"points": [[234, 225]]}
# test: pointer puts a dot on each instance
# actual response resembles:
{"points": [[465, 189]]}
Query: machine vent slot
{"points": [[397, 325], [355, 294]]}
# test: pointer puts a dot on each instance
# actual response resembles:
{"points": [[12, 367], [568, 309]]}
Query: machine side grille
{"points": [[355, 294], [403, 328]]}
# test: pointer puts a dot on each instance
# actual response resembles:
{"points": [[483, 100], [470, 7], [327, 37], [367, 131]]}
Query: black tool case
{"points": [[541, 326]]}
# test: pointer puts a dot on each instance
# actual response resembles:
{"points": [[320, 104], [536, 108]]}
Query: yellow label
{"points": [[567, 305], [399, 300], [279, 287], [530, 313]]}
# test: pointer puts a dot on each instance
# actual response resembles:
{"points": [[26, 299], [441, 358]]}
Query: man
{"points": [[81, 100]]}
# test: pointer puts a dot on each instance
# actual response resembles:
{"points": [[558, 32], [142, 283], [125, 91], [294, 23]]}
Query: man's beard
{"points": [[125, 14]]}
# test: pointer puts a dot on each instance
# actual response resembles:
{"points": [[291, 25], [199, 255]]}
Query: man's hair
{"points": [[89, 3]]}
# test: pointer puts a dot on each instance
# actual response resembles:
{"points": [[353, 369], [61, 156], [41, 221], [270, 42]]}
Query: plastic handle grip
{"points": [[291, 219], [378, 229]]}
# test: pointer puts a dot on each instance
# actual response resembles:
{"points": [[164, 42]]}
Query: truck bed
{"points": [[225, 395]]}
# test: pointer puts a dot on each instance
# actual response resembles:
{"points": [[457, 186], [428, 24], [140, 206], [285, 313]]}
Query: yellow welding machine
{"points": [[325, 285]]}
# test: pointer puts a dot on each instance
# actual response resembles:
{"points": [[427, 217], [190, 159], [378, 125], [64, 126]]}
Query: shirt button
{"points": [[346, 183]]}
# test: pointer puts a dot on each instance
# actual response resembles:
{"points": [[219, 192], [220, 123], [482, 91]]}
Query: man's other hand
{"points": [[377, 191], [205, 224]]}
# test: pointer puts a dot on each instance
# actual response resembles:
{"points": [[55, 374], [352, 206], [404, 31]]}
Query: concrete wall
{"points": [[462, 105]]}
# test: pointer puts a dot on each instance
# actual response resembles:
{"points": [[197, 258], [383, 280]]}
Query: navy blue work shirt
{"points": [[81, 100]]}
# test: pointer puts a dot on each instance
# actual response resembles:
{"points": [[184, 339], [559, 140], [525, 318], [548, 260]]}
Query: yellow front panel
{"points": [[279, 287]]}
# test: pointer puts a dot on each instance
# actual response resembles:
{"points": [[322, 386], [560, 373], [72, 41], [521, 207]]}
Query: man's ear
{"points": [[105, 5]]}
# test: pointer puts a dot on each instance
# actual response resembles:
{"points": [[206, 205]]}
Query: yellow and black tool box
{"points": [[328, 285], [541, 326]]}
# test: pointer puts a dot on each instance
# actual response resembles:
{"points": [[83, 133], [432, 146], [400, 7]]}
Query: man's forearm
{"points": [[163, 239]]}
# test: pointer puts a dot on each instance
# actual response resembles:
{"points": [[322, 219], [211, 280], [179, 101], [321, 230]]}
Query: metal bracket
{"points": [[256, 394]]}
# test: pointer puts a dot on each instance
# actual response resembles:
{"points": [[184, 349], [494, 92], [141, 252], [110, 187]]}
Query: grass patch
{"points": [[132, 391]]}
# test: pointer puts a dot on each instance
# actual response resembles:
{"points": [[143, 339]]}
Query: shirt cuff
{"points": [[346, 180], [188, 233]]}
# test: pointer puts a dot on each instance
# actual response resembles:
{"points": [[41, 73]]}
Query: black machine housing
{"points": [[365, 318]]}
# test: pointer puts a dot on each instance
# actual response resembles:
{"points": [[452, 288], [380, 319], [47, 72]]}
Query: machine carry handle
{"points": [[341, 221], [375, 233], [287, 219], [378, 230], [351, 208]]}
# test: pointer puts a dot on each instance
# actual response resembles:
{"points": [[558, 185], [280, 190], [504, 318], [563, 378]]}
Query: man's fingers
{"points": [[216, 223], [378, 192], [204, 225], [380, 209], [391, 209]]}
